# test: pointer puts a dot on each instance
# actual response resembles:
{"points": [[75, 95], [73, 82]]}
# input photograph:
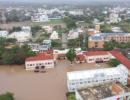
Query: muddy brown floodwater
{"points": [[26, 85]]}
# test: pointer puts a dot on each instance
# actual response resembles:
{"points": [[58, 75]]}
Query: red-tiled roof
{"points": [[40, 56], [119, 56], [94, 53]]}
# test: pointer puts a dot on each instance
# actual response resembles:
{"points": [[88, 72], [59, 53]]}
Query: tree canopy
{"points": [[71, 55], [113, 62], [70, 22], [7, 96]]}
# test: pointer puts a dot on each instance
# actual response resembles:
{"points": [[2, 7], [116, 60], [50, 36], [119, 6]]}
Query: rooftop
{"points": [[104, 72], [95, 53], [119, 56], [103, 91], [40, 56]]}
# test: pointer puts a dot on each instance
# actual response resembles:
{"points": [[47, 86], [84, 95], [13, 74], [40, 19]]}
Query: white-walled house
{"points": [[26, 29], [21, 36], [40, 60], [40, 17], [4, 33], [48, 28], [81, 79], [54, 35]]}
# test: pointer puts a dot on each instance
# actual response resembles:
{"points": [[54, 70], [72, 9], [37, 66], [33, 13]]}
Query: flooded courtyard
{"points": [[51, 85]]}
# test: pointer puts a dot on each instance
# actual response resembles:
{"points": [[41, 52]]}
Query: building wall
{"points": [[124, 38], [31, 65], [95, 44], [96, 80], [93, 59]]}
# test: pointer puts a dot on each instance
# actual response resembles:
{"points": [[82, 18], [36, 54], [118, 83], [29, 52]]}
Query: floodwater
{"points": [[27, 85]]}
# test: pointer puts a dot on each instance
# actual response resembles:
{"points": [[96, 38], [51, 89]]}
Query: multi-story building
{"points": [[41, 60], [98, 40], [107, 91], [80, 79]]}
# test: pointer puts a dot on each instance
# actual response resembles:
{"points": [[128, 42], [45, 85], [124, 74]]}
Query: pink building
{"points": [[41, 60]]}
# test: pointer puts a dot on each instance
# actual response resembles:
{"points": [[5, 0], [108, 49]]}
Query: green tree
{"points": [[113, 62], [108, 46], [17, 55], [70, 23], [35, 29], [15, 29], [7, 96], [56, 43], [71, 55]]}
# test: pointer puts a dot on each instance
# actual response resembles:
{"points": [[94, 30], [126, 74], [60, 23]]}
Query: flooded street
{"points": [[26, 85]]}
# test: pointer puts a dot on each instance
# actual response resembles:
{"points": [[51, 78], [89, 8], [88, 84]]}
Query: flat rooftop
{"points": [[102, 91]]}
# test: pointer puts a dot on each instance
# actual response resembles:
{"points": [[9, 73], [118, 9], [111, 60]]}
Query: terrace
{"points": [[103, 91]]}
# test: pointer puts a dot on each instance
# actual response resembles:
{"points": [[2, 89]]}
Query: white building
{"points": [[21, 36], [48, 29], [80, 79], [73, 35], [114, 18], [26, 29], [76, 12], [4, 34], [54, 35], [40, 17], [39, 61]]}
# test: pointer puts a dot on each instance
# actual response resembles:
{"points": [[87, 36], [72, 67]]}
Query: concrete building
{"points": [[41, 60], [40, 17], [81, 79], [21, 36], [97, 56], [54, 35], [98, 40], [107, 91], [4, 34]]}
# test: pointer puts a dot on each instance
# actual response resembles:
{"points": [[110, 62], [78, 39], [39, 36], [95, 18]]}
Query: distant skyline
{"points": [[63, 1]]}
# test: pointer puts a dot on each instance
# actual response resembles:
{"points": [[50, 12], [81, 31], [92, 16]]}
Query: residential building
{"points": [[47, 42], [4, 33], [21, 36], [81, 79], [106, 91], [73, 34], [114, 18], [54, 35], [48, 29], [26, 29], [40, 17], [39, 61]]}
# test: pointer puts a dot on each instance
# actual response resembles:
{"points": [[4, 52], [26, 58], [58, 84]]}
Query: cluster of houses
{"points": [[101, 84], [22, 36], [45, 15]]}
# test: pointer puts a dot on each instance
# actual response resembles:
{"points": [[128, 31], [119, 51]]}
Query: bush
{"points": [[113, 62], [7, 96], [71, 96]]}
